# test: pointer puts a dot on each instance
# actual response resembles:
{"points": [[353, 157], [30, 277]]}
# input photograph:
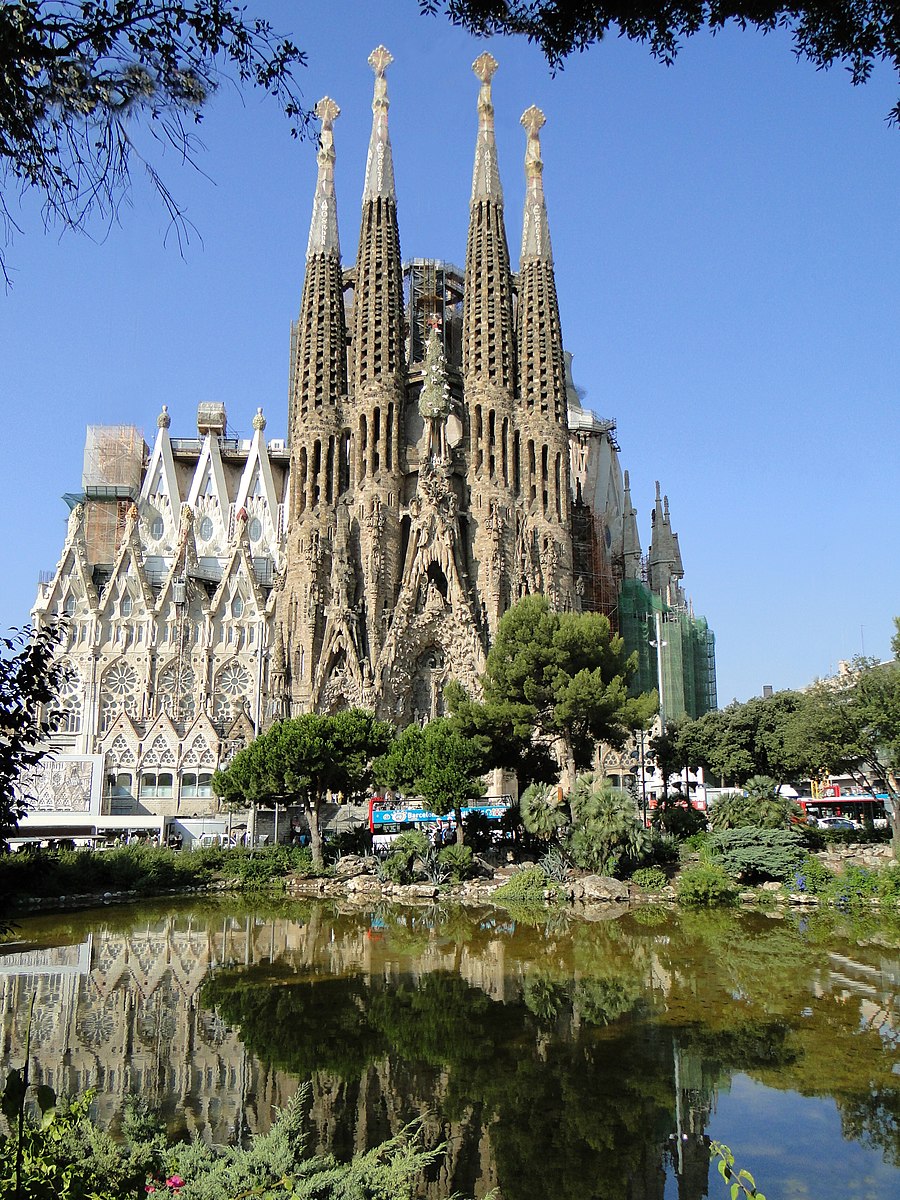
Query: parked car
{"points": [[838, 823]]}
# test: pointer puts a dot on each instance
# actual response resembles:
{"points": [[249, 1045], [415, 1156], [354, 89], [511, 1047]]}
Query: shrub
{"points": [[541, 811], [433, 869], [813, 877], [650, 879], [855, 885], [754, 854], [412, 844], [554, 865], [396, 868], [663, 850], [526, 886], [478, 831], [888, 885], [267, 867], [459, 862], [350, 841], [704, 886], [675, 815], [761, 807], [606, 834]]}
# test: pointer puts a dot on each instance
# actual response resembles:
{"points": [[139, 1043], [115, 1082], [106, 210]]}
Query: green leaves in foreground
{"points": [[740, 1181]]}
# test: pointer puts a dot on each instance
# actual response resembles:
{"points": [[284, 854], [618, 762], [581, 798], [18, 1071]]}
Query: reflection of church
{"points": [[438, 466]]}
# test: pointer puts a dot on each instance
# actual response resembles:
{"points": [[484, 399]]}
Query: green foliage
{"points": [[437, 762], [413, 844], [543, 812], [606, 834], [478, 831], [525, 886], [739, 1181], [78, 79], [650, 879], [675, 815], [812, 877], [304, 759], [459, 862], [554, 865], [753, 854], [559, 678], [146, 870], [854, 886], [30, 677], [270, 866], [396, 868], [705, 886], [761, 807], [888, 885], [65, 1156]]}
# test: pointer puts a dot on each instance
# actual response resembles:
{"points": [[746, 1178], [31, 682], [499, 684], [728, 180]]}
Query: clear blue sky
{"points": [[727, 250]]}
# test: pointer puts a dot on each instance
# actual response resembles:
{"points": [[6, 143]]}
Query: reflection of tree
{"points": [[571, 1074]]}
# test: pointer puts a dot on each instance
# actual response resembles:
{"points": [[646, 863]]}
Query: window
{"points": [[255, 529], [127, 605], [237, 606], [205, 529], [155, 786], [69, 606], [120, 784], [157, 528], [193, 785]]}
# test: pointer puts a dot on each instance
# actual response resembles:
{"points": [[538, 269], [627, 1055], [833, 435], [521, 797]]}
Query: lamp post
{"points": [[643, 784], [659, 643]]}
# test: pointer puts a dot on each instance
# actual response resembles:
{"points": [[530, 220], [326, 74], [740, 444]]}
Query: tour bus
{"points": [[856, 807], [392, 815]]}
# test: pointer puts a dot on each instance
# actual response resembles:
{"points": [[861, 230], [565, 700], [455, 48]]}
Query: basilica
{"points": [[438, 465]]}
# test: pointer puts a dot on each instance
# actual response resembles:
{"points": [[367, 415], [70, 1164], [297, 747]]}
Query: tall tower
{"points": [[489, 375], [318, 390], [378, 377], [545, 548]]}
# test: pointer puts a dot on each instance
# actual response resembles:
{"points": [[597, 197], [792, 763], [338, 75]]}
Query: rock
{"points": [[350, 865], [602, 888], [363, 883], [771, 885]]}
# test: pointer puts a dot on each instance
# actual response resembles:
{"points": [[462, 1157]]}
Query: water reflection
{"points": [[564, 1059]]}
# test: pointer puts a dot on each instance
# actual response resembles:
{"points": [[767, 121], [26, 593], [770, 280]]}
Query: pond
{"points": [[556, 1056]]}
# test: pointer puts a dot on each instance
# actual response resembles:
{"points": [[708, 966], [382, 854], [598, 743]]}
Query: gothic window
{"points": [[195, 784], [157, 527], [255, 529], [69, 606], [118, 693], [69, 699], [237, 606], [155, 785], [127, 605], [232, 691], [205, 529], [175, 692]]}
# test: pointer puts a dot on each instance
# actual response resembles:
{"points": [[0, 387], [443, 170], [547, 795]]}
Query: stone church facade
{"points": [[438, 466]]}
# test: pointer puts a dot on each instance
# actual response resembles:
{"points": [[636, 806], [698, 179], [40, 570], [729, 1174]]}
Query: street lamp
{"points": [[659, 643]]}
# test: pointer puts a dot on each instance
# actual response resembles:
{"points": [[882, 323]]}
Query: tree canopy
{"points": [[80, 79], [437, 762], [30, 676], [301, 760], [558, 679], [858, 34]]}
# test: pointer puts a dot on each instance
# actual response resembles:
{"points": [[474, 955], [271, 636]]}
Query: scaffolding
{"points": [[687, 653], [596, 580], [111, 481]]}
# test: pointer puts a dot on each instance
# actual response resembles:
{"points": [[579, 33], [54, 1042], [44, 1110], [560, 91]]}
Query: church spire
{"points": [[323, 228], [318, 379], [378, 298], [542, 373], [535, 226], [488, 354], [380, 163], [631, 541], [486, 173]]}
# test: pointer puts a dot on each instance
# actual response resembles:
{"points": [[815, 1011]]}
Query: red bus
{"points": [[861, 809]]}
